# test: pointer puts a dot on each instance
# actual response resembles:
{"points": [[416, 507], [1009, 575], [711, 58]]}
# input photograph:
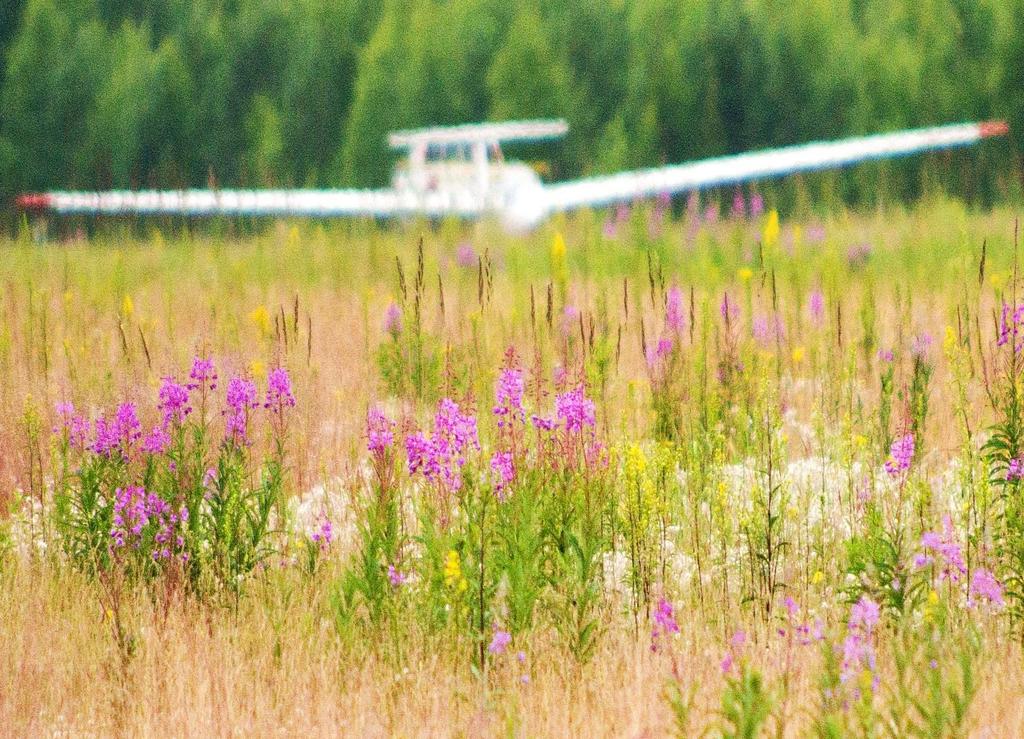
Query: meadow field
{"points": [[703, 473]]}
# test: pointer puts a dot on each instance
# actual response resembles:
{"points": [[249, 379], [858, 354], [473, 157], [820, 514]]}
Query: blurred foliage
{"points": [[106, 93]]}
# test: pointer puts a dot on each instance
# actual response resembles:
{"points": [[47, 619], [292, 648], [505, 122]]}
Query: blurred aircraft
{"points": [[460, 171]]}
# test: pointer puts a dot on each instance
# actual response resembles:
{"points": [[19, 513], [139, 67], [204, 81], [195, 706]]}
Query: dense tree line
{"points": [[119, 93]]}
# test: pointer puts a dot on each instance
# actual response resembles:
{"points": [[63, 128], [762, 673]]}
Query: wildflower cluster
{"points": [[241, 401], [119, 434], [573, 429], [121, 487], [985, 587], [441, 456], [1011, 327], [804, 632], [664, 624], [143, 520], [943, 550], [900, 456], [858, 664], [453, 577], [508, 407], [73, 427], [323, 534]]}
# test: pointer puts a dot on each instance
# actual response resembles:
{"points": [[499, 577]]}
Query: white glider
{"points": [[460, 171]]}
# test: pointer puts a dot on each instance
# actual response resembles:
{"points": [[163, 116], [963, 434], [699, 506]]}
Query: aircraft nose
{"points": [[993, 128], [32, 201]]}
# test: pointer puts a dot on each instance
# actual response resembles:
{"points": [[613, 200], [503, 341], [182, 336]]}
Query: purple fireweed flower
{"points": [[674, 318], [655, 354], [396, 577], [944, 549], [279, 391], [901, 455], [985, 585], [726, 664], [441, 456], [816, 306], [1015, 470], [156, 441], [509, 397], [203, 376], [664, 623], [457, 427], [575, 410], [500, 641], [756, 205], [323, 534], [543, 424], [664, 618], [73, 425], [140, 516], [711, 213], [858, 648], [119, 433], [421, 456], [127, 421], [920, 345], [173, 401], [807, 633], [1011, 327], [393, 320], [739, 205], [465, 255], [865, 613], [504, 473], [736, 644], [886, 355], [241, 398], [767, 329], [380, 432]]}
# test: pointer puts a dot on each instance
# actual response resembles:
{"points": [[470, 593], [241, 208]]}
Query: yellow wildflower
{"points": [[558, 267], [641, 500], [261, 317], [453, 577], [770, 235], [818, 578], [866, 681], [798, 354], [949, 342], [745, 274], [127, 306]]}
